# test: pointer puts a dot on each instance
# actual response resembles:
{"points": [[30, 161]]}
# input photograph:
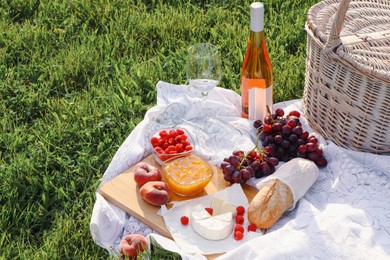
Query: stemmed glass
{"points": [[204, 70]]}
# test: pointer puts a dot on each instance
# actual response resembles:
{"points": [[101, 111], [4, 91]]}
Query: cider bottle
{"points": [[256, 72]]}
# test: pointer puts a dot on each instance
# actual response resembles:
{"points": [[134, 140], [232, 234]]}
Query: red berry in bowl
{"points": [[169, 143], [163, 133]]}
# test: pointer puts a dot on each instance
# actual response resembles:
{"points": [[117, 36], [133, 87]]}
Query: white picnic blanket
{"points": [[344, 215]]}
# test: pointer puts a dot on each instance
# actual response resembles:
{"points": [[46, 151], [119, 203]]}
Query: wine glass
{"points": [[204, 69]]}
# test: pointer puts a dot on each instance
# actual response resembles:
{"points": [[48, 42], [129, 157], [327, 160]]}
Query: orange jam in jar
{"points": [[187, 175]]}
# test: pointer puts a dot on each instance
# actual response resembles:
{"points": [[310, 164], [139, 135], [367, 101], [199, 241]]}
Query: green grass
{"points": [[77, 76]]}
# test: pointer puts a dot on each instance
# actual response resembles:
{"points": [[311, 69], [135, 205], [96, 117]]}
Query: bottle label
{"points": [[259, 97]]}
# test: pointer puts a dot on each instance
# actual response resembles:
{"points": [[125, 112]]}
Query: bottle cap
{"points": [[257, 17]]}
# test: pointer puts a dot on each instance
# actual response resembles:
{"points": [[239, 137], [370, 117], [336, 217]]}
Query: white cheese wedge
{"points": [[216, 227], [199, 212], [221, 206]]}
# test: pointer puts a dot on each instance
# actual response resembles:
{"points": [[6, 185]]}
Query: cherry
{"points": [[184, 220]]}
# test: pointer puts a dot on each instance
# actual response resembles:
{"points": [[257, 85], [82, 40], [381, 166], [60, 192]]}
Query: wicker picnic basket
{"points": [[347, 87]]}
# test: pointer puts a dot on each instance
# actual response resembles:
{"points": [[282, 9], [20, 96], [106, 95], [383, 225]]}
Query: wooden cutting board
{"points": [[124, 193]]}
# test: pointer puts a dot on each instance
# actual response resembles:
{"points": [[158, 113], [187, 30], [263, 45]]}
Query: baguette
{"points": [[269, 204], [281, 191]]}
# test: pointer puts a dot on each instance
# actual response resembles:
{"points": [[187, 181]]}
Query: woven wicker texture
{"points": [[347, 86]]}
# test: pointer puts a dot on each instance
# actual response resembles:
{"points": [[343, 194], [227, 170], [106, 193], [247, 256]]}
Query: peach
{"points": [[155, 192], [131, 245], [144, 172]]}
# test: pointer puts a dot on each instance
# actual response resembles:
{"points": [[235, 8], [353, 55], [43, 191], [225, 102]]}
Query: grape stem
{"points": [[254, 148], [268, 110]]}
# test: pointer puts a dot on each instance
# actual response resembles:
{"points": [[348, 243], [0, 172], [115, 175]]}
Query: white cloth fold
{"points": [[170, 245], [344, 215]]}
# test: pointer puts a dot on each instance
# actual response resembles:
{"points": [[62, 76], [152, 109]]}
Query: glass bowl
{"points": [[187, 175], [171, 143]]}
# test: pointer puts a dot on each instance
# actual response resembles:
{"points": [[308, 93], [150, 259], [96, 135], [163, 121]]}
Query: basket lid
{"points": [[357, 31]]}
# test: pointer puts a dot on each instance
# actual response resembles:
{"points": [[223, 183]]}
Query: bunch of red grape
{"points": [[240, 167], [283, 137]]}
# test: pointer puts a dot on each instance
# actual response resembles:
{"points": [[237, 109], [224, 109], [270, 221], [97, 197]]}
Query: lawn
{"points": [[77, 76]]}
